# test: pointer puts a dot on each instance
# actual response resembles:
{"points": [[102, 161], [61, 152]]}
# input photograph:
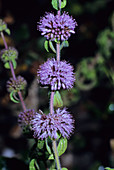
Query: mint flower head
{"points": [[61, 122], [24, 118], [56, 74], [16, 85], [9, 54], [57, 27]]}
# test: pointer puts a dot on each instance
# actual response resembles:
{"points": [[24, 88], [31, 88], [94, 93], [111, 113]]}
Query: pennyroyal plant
{"points": [[51, 130]]}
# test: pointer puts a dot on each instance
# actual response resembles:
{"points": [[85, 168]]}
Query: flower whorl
{"points": [[57, 27], [52, 124], [57, 74]]}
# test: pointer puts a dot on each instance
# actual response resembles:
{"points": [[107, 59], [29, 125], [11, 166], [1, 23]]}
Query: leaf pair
{"points": [[61, 148], [55, 4], [48, 44], [7, 65]]}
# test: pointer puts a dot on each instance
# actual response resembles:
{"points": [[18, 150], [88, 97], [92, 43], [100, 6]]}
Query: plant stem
{"points": [[13, 73], [58, 44], [12, 70], [51, 102], [53, 141], [59, 4], [5, 44], [52, 98], [59, 11], [58, 51], [56, 155]]}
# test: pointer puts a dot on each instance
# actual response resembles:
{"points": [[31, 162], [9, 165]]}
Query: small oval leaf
{"points": [[55, 4], [63, 3], [62, 146], [7, 31], [52, 47], [40, 144], [64, 44], [46, 45], [51, 157], [48, 147], [12, 94], [7, 66], [64, 169], [31, 165], [57, 100], [14, 64]]}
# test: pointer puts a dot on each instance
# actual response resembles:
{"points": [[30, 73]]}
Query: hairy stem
{"points": [[56, 155], [13, 73], [58, 51], [58, 165], [59, 11], [51, 102], [5, 44], [12, 70], [53, 141], [58, 44]]}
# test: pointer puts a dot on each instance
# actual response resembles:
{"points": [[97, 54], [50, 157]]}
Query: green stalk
{"points": [[56, 155]]}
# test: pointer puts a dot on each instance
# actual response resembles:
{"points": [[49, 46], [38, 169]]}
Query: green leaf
{"points": [[57, 100], [63, 3], [56, 40], [48, 147], [33, 165], [46, 45], [51, 157], [55, 4], [64, 44], [62, 146], [4, 26], [52, 47], [8, 31], [7, 66], [12, 97], [40, 144], [14, 64], [64, 169], [109, 168]]}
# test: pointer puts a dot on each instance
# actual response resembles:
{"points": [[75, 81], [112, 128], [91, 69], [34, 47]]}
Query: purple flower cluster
{"points": [[24, 118], [57, 27], [16, 85], [60, 122], [56, 74], [8, 54]]}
